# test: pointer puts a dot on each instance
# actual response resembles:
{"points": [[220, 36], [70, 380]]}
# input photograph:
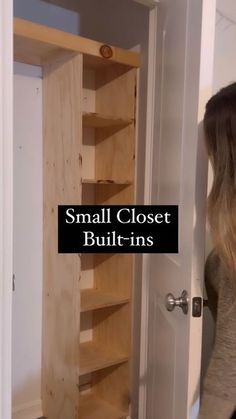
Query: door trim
{"points": [[148, 3], [152, 77], [6, 207], [6, 199]]}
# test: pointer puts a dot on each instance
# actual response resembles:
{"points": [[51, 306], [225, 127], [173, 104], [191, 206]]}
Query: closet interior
{"points": [[89, 112]]}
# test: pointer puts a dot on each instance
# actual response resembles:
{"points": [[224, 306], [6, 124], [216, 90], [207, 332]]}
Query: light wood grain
{"points": [[86, 325], [111, 328], [36, 44], [113, 385], [113, 117], [91, 407], [96, 120], [115, 149], [94, 357], [114, 274], [89, 91], [115, 91], [108, 181], [114, 159], [116, 194], [93, 299], [62, 115]]}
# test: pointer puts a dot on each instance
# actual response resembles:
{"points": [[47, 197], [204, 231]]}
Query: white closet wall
{"points": [[41, 12], [27, 298], [27, 241]]}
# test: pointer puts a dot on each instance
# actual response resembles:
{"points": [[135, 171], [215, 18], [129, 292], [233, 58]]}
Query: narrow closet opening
{"points": [[224, 73], [28, 223], [79, 138]]}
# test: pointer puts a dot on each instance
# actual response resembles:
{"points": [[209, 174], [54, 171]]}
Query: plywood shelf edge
{"points": [[96, 120], [106, 182], [93, 299], [94, 358]]}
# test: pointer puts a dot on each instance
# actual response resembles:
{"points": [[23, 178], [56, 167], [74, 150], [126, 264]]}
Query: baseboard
{"points": [[31, 410]]}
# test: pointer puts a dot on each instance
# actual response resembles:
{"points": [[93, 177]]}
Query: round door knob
{"points": [[182, 302]]}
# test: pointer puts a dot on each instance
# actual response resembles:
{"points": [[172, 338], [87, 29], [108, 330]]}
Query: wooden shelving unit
{"points": [[89, 158], [94, 299], [108, 156], [94, 408], [95, 120], [106, 182], [94, 357]]}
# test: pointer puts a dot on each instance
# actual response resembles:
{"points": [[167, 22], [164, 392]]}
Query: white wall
{"points": [[27, 239], [224, 73], [225, 57], [41, 12]]}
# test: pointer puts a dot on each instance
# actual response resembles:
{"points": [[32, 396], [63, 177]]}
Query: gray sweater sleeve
{"points": [[219, 390]]}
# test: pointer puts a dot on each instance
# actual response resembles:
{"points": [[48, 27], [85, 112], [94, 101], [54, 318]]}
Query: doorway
{"points": [[27, 323]]}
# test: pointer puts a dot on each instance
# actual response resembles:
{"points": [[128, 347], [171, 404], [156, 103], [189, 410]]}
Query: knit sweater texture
{"points": [[219, 388]]}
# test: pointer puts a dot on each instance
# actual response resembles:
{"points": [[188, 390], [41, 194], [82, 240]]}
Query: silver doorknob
{"points": [[182, 302]]}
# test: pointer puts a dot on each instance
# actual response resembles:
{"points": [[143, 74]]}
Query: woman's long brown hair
{"points": [[220, 136]]}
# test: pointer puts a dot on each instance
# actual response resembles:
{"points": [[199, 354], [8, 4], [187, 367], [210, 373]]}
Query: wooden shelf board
{"points": [[91, 407], [96, 120], [93, 299], [94, 358], [37, 44], [106, 182]]}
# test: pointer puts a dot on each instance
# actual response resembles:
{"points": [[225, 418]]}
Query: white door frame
{"points": [[206, 71], [6, 196], [6, 203], [148, 3], [152, 56]]}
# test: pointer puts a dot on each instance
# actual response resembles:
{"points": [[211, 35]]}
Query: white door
{"points": [[177, 167]]}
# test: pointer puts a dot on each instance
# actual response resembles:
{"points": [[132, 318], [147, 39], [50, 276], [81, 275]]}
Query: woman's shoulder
{"points": [[213, 263], [214, 270]]}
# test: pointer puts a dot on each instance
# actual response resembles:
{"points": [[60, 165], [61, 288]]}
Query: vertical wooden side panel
{"points": [[62, 110]]}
